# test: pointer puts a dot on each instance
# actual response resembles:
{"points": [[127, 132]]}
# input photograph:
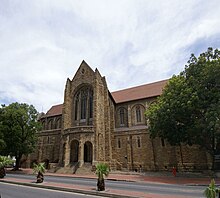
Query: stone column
{"points": [[81, 153], [67, 153]]}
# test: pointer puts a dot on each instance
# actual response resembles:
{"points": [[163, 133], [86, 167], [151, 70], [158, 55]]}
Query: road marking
{"points": [[45, 189]]}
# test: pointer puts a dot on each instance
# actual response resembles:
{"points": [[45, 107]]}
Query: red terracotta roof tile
{"points": [[55, 110], [125, 95], [139, 92]]}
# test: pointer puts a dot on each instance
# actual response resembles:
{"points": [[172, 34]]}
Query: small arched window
{"points": [[138, 114], [138, 142], [50, 124], [119, 143], [122, 116], [48, 140], [43, 125], [162, 142], [58, 124]]}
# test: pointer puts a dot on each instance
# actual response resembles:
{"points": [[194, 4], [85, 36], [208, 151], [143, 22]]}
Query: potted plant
{"points": [[40, 170], [102, 170], [211, 191], [4, 161]]}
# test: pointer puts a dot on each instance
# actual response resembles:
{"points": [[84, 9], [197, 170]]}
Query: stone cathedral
{"points": [[95, 125]]}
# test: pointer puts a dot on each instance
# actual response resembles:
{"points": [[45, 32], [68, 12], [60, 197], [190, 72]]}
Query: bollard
{"points": [[174, 171]]}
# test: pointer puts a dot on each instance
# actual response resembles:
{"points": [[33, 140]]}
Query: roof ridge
{"points": [[156, 82], [125, 95]]}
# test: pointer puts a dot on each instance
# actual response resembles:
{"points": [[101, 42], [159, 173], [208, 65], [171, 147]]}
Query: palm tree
{"points": [[40, 170], [102, 170], [4, 161], [211, 191]]}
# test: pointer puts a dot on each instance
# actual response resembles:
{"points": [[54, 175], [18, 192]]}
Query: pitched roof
{"points": [[125, 95], [55, 110], [139, 92]]}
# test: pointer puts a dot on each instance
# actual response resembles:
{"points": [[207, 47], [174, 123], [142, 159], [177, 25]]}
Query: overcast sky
{"points": [[131, 42]]}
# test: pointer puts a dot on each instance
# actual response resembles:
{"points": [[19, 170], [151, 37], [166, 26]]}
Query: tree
{"points": [[40, 170], [102, 170], [19, 125], [4, 161], [211, 191], [188, 111], [2, 142]]}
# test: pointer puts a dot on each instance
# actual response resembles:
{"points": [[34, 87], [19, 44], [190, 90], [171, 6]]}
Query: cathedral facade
{"points": [[94, 125]]}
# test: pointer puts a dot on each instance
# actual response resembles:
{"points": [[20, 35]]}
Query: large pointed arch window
{"points": [[83, 105]]}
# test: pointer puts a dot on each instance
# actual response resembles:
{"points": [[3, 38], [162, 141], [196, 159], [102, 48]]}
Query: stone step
{"points": [[65, 170], [84, 169], [71, 169]]}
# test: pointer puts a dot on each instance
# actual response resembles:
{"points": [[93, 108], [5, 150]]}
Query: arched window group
{"points": [[51, 123], [136, 114], [83, 105]]}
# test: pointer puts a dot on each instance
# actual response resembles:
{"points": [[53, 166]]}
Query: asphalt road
{"points": [[17, 191], [168, 189]]}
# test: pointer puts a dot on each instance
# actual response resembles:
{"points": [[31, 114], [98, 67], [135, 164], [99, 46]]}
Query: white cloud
{"points": [[131, 42]]}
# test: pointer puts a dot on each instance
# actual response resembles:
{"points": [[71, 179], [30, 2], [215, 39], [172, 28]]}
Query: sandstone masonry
{"points": [[94, 125]]}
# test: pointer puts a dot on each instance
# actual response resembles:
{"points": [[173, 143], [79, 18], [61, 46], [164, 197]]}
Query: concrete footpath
{"points": [[149, 177]]}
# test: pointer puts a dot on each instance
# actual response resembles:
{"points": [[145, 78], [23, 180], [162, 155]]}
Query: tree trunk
{"points": [[101, 184], [40, 177], [213, 161], [2, 172], [213, 151], [18, 159], [154, 156]]}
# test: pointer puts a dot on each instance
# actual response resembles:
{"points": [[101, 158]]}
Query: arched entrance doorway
{"points": [[74, 154], [88, 152]]}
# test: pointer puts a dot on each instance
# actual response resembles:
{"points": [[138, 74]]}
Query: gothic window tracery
{"points": [[76, 106], [83, 105], [90, 104]]}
